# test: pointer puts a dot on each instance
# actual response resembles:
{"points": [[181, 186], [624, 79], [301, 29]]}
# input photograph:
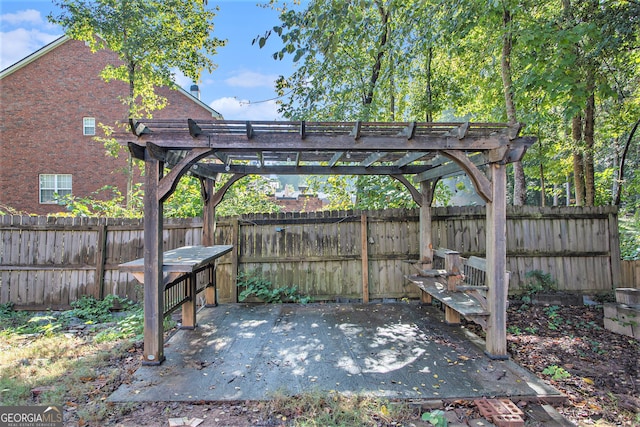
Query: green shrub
{"points": [[253, 284]]}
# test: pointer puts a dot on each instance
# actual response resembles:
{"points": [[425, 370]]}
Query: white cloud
{"points": [[252, 79], [29, 16], [234, 109], [181, 80], [19, 43]]}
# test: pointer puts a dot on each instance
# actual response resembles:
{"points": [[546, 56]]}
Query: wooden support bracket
{"points": [[415, 193], [194, 129], [303, 130], [459, 132], [137, 151], [480, 181], [216, 198], [409, 131], [355, 132], [169, 182]]}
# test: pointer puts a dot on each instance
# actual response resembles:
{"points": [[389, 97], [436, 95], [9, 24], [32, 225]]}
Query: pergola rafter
{"points": [[416, 154]]}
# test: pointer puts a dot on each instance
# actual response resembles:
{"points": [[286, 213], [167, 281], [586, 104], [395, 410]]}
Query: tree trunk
{"points": [[519, 180], [132, 106], [375, 71], [589, 140], [616, 199], [543, 201], [578, 171], [428, 89]]}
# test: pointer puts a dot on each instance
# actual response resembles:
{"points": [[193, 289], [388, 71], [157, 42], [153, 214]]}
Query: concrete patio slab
{"points": [[396, 351]]}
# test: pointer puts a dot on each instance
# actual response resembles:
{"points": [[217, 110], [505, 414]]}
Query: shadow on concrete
{"points": [[396, 351]]}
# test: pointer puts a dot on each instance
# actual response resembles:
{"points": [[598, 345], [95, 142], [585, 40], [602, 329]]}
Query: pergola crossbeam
{"points": [[336, 157], [373, 157], [409, 158]]}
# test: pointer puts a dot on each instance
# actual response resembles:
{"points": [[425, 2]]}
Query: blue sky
{"points": [[240, 86]]}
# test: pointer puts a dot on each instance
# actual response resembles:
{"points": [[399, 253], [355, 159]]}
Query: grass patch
{"points": [[71, 358], [315, 409]]}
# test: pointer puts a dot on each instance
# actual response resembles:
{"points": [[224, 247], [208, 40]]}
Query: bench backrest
{"points": [[474, 268]]}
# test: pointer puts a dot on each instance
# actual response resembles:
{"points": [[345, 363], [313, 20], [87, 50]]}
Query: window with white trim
{"points": [[89, 126], [52, 184]]}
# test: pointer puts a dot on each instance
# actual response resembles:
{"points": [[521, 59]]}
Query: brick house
{"points": [[51, 104]]}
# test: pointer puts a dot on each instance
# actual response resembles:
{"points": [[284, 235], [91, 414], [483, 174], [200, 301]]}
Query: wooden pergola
{"points": [[416, 154]]}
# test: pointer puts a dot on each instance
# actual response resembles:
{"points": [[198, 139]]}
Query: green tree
{"points": [[153, 39]]}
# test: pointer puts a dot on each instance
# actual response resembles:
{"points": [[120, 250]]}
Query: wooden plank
{"points": [[461, 302]]}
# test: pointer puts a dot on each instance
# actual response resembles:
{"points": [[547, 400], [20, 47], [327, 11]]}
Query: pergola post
{"points": [[426, 242], [208, 234], [496, 220], [153, 280]]}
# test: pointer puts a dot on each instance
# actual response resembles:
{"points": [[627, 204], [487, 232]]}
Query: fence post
{"points": [[365, 258], [101, 258], [235, 238], [614, 250]]}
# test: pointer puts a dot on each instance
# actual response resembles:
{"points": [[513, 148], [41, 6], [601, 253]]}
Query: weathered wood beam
{"points": [[408, 158], [449, 168], [313, 142], [140, 129], [479, 180], [169, 182], [211, 170], [416, 195], [136, 150], [250, 132], [336, 157], [459, 132], [260, 157], [194, 129], [373, 157], [223, 157], [410, 131], [153, 295], [355, 132], [303, 130], [497, 276], [514, 130], [157, 153]]}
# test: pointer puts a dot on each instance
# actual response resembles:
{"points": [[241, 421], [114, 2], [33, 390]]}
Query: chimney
{"points": [[195, 91]]}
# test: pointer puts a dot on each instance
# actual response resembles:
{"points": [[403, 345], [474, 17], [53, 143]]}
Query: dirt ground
{"points": [[566, 346]]}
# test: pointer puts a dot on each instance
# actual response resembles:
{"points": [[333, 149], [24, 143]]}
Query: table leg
{"points": [[189, 307], [211, 291]]}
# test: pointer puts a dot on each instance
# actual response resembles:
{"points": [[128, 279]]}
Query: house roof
{"points": [[63, 39]]}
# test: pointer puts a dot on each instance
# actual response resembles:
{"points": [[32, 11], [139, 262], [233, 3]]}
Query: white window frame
{"points": [[89, 126], [61, 184]]}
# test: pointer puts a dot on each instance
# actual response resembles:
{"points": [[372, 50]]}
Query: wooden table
{"points": [[180, 267]]}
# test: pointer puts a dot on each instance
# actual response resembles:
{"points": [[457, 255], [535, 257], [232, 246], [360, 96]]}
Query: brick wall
{"points": [[41, 111], [301, 203]]}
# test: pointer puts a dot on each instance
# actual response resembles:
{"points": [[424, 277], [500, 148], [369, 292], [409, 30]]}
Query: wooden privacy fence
{"points": [[49, 262]]}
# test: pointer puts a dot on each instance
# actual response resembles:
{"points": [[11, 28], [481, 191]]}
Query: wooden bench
{"points": [[186, 271], [458, 283]]}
